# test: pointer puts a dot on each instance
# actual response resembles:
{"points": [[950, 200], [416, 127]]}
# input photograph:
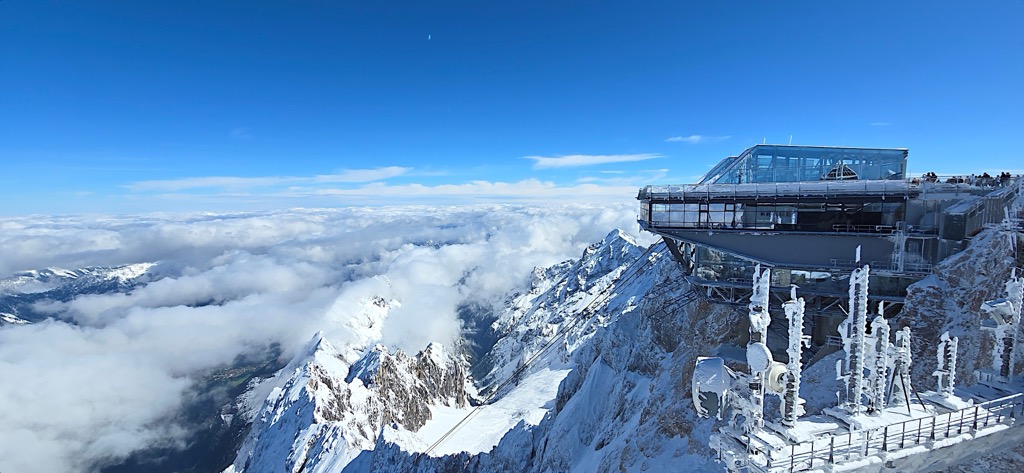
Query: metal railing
{"points": [[848, 264], [833, 449], [717, 220], [797, 189]]}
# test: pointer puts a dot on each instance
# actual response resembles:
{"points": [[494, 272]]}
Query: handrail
{"points": [[834, 449], [795, 189], [942, 184]]}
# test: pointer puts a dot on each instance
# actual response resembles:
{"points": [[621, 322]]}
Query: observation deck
{"points": [[805, 211]]}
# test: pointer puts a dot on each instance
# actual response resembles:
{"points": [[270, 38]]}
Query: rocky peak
{"points": [[601, 259], [408, 385], [329, 411]]}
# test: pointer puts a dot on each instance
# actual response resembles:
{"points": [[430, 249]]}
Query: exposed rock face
{"points": [[405, 385], [558, 295], [328, 412], [625, 405], [950, 299], [629, 342]]}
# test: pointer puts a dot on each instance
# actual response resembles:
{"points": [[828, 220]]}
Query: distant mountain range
{"points": [[20, 292]]}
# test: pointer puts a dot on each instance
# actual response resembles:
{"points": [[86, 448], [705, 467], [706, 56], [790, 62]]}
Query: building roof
{"points": [[793, 163]]}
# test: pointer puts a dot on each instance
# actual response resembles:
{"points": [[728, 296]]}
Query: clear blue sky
{"points": [[127, 106]]}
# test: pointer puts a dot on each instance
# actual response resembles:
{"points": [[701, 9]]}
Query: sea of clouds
{"points": [[103, 378]]}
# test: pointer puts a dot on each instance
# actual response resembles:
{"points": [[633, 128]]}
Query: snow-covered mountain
{"points": [[330, 410], [20, 292], [610, 391], [589, 371], [584, 368]]}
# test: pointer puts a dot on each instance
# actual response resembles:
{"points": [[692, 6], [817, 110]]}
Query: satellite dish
{"points": [[710, 386], [775, 380], [758, 356]]}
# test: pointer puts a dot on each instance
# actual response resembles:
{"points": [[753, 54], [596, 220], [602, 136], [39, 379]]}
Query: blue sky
{"points": [[124, 106]]}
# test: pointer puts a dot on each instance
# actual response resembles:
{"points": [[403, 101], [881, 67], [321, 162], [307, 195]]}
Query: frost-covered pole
{"points": [[880, 327], [1015, 296], [899, 249], [759, 359], [792, 404], [759, 317], [853, 337], [1007, 315], [899, 387], [946, 372]]}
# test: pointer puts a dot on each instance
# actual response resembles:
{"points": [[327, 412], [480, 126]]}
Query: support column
{"points": [[1015, 296], [946, 370], [852, 330], [899, 385], [759, 359], [879, 375], [792, 404]]}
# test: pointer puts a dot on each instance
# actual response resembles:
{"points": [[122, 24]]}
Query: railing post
{"points": [[885, 439], [849, 445], [975, 425], [792, 456], [831, 450], [949, 420]]}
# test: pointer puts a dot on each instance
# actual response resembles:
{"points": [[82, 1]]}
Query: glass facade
{"points": [[712, 265], [784, 163], [871, 217]]}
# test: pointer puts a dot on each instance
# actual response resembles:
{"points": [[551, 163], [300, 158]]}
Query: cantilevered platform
{"points": [[807, 212]]}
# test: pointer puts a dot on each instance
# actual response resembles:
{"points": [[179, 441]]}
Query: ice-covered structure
{"points": [[899, 382], [792, 215], [759, 358], [1004, 324], [946, 372], [879, 372], [853, 332], [880, 419], [792, 403]]}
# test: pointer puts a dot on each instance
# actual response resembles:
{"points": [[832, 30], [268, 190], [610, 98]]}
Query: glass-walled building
{"points": [[812, 208], [784, 163], [814, 213]]}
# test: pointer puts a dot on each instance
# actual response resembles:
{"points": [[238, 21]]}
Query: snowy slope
{"points": [[20, 292], [613, 391], [611, 394], [337, 400], [332, 407], [625, 403]]}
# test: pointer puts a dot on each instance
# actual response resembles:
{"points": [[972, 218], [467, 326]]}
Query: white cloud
{"points": [[364, 175], [529, 190], [225, 182], [880, 123], [696, 139], [110, 382], [632, 180], [574, 160], [236, 183]]}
